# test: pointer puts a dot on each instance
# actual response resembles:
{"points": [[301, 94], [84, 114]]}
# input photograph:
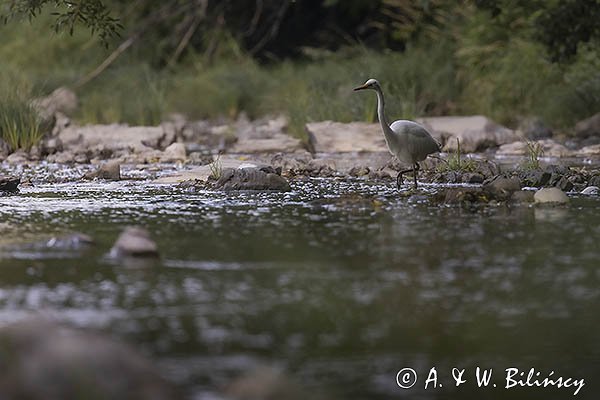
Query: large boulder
{"points": [[61, 100], [588, 127], [534, 128], [589, 151], [548, 147], [475, 133], [337, 137], [265, 135], [115, 138], [263, 178], [50, 361]]}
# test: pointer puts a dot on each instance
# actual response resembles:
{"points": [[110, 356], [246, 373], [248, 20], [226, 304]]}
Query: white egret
{"points": [[407, 140]]}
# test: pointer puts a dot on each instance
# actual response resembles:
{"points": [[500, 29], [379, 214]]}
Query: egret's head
{"points": [[370, 84]]}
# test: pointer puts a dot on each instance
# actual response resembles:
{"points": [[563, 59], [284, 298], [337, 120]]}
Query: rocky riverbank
{"points": [[219, 154]]}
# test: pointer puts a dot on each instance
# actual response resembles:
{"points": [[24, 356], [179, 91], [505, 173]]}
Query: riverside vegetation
{"points": [[462, 60]]}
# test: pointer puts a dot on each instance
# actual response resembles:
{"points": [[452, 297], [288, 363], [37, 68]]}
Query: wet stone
{"points": [[9, 184], [552, 195], [265, 178], [472, 178], [134, 242], [591, 190], [360, 170], [564, 184], [109, 171], [502, 187], [522, 196], [535, 178]]}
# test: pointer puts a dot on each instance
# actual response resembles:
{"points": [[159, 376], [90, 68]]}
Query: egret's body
{"points": [[408, 141]]}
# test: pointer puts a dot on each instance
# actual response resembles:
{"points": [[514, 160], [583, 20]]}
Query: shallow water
{"points": [[339, 294]]}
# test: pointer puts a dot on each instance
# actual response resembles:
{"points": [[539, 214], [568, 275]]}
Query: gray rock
{"points": [[588, 127], [109, 171], [591, 190], [45, 360], [9, 184], [549, 148], [252, 179], [18, 157], [464, 195], [594, 181], [535, 178], [71, 241], [475, 132], [174, 152], [502, 187], [134, 241], [265, 135], [522, 196], [117, 138], [472, 178], [337, 137], [564, 184], [359, 171], [35, 153], [61, 121], [589, 151], [550, 195], [81, 158], [518, 148], [4, 149], [64, 157], [534, 128], [62, 100], [51, 145]]}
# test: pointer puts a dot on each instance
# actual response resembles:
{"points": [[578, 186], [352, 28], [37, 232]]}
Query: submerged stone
{"points": [[134, 241], [72, 241], [9, 184]]}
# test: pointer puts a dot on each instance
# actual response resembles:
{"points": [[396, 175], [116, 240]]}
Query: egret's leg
{"points": [[399, 177], [416, 169]]}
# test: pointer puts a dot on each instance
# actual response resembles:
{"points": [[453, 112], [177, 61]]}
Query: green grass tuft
{"points": [[20, 124], [457, 163], [534, 152]]}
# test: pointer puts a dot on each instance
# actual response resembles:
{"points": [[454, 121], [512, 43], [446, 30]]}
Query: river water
{"points": [[339, 284]]}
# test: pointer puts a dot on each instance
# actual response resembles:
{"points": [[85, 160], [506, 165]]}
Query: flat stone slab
{"points": [[337, 137], [203, 172], [115, 136], [475, 132]]}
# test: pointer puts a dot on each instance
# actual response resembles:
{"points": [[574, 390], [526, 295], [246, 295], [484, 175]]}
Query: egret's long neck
{"points": [[387, 131]]}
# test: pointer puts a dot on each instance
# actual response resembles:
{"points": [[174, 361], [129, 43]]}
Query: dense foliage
{"points": [[506, 59]]}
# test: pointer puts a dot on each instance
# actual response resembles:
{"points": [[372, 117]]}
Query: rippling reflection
{"points": [[341, 290]]}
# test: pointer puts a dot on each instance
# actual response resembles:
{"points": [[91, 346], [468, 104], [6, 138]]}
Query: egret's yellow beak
{"points": [[361, 87]]}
